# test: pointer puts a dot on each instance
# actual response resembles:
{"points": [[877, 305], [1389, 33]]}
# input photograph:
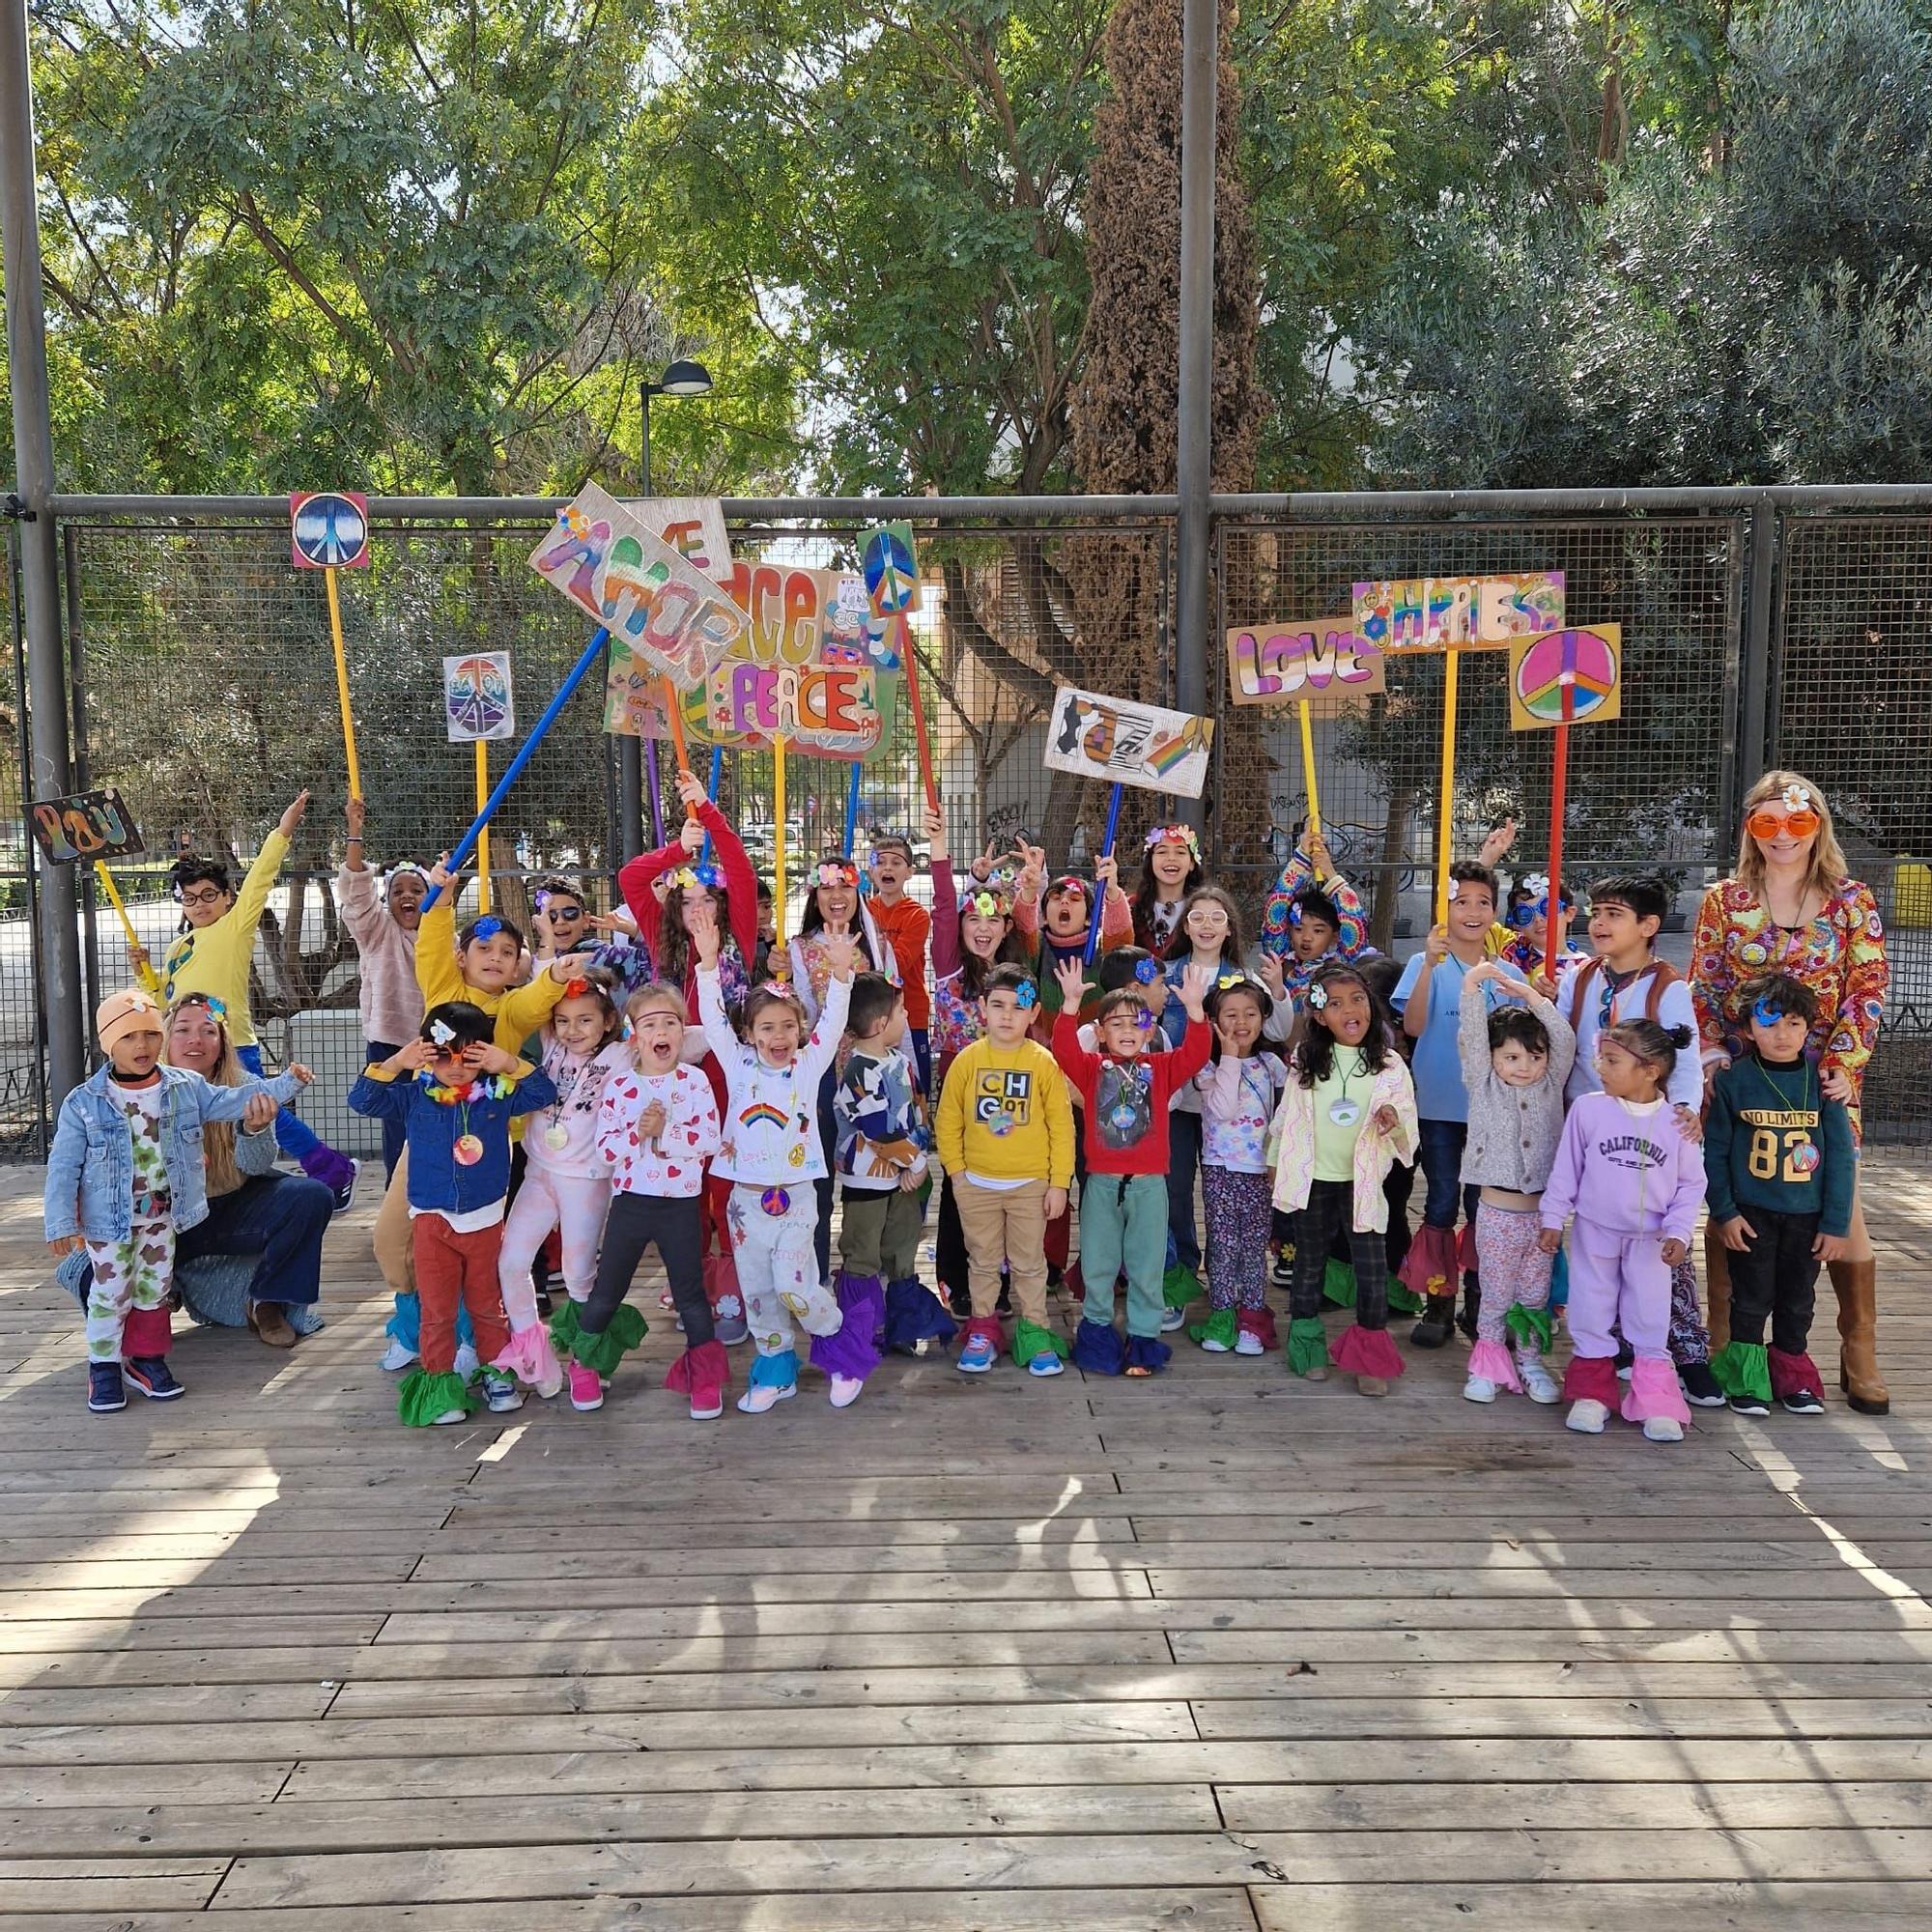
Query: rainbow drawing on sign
{"points": [[476, 699], [1566, 677], [1458, 612]]}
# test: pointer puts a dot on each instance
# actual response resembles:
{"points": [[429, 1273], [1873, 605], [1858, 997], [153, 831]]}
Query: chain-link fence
{"points": [[203, 686]]}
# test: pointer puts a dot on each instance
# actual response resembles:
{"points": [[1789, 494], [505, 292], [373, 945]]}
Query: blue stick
{"points": [[578, 671], [1099, 886], [711, 792], [852, 811], [656, 791]]}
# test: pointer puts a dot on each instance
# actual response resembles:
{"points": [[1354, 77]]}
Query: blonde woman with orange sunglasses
{"points": [[1790, 908]]}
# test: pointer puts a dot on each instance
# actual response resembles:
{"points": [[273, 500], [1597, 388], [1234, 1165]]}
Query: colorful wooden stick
{"points": [[342, 684], [1445, 797], [711, 792], [780, 958], [578, 672], [1559, 781], [1308, 771], [1100, 884], [482, 751]]}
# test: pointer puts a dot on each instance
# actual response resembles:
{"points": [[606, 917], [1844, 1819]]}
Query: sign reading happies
{"points": [[1406, 616]]}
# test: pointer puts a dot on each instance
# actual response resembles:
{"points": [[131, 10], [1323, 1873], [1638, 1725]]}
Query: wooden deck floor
{"points": [[1217, 1652]]}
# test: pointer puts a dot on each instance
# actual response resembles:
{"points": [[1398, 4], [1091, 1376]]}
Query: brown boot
{"points": [[271, 1323], [1856, 1287], [1716, 1288]]}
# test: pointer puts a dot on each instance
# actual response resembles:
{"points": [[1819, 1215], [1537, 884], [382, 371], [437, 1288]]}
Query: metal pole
{"points": [[1755, 693], [631, 751], [1200, 54], [40, 570]]}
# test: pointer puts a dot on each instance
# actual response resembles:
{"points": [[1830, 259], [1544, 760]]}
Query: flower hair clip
{"points": [[1317, 997], [1294, 914], [1228, 979], [1067, 882], [442, 1033], [575, 989], [1146, 1020], [486, 927], [1455, 891], [1767, 1012], [1147, 971], [1173, 834], [706, 878], [217, 1007], [1797, 798], [1026, 995]]}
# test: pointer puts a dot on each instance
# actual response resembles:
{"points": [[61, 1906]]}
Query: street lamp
{"points": [[679, 379]]}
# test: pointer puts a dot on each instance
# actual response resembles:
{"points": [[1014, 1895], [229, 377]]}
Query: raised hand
{"points": [[935, 826], [1194, 985], [1107, 870], [261, 1109], [691, 791], [304, 1075], [357, 812], [440, 874], [1498, 842], [701, 922], [293, 816], [1073, 978], [1436, 948], [838, 953]]}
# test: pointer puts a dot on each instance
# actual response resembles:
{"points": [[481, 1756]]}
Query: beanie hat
{"points": [[121, 1013]]}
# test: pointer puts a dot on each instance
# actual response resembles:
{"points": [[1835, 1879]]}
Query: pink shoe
{"points": [[707, 1404], [587, 1387], [845, 1390]]}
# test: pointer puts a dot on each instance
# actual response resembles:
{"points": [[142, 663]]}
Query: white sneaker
{"points": [[1539, 1384], [465, 1363], [1247, 1342], [1479, 1388], [1172, 1318], [1662, 1428], [503, 1397], [448, 1415], [1587, 1417], [397, 1356], [757, 1400], [1215, 1347], [845, 1390]]}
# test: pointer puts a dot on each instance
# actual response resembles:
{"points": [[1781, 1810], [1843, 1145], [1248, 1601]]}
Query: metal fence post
{"points": [[40, 570], [1755, 679]]}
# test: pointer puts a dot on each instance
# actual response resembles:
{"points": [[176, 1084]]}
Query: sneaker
{"points": [[1539, 1384], [1623, 1372], [1587, 1417], [1046, 1363], [105, 1392], [587, 1389], [151, 1376], [1801, 1401], [978, 1356], [1479, 1388], [1172, 1318], [1214, 1346], [845, 1390], [344, 1196], [447, 1416], [398, 1356], [501, 1393], [1370, 1385], [731, 1329], [1282, 1272], [766, 1395], [1748, 1405], [465, 1363], [1247, 1342], [1700, 1385], [707, 1405], [1662, 1428]]}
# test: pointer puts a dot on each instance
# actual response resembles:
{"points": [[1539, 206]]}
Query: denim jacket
{"points": [[90, 1188]]}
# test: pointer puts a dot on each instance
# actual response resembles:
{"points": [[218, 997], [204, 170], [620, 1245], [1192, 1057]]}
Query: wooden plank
{"points": [[650, 1870], [54, 1884], [61, 1786], [673, 1730], [1421, 1760], [37, 1633], [1594, 1717], [172, 1830], [1776, 1905]]}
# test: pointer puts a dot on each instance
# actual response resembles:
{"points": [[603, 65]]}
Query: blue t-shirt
{"points": [[1437, 1068]]}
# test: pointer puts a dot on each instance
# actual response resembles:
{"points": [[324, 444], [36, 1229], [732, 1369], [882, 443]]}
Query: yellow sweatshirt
{"points": [[1005, 1114], [215, 959], [519, 1012]]}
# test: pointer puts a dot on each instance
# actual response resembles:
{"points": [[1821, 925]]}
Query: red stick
{"points": [[910, 660], [1559, 776]]}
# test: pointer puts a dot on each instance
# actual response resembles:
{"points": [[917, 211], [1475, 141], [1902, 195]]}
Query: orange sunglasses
{"points": [[1767, 821]]}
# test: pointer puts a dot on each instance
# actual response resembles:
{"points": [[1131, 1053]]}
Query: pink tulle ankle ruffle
{"points": [[1492, 1361], [529, 1357], [1365, 1351], [1654, 1391]]}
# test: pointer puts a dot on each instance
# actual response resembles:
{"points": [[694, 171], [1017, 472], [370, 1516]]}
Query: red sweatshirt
{"points": [[907, 925], [1124, 1102]]}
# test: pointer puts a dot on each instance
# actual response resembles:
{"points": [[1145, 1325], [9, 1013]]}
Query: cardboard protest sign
{"points": [[479, 697], [84, 826], [889, 562], [328, 530], [1317, 661], [1459, 613], [812, 666], [1567, 677], [659, 609], [1123, 743], [692, 526]]}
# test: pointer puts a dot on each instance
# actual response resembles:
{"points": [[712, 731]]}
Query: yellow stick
{"points": [[781, 962], [1445, 797], [342, 686], [1308, 771], [106, 879], [482, 838]]}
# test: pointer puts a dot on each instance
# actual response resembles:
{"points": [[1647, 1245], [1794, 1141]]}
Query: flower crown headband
{"points": [[1173, 834], [706, 878], [834, 872], [990, 902]]}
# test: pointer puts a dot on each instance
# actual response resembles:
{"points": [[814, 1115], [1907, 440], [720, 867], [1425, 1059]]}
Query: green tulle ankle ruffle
{"points": [[421, 1397], [1179, 1286], [1531, 1327], [1742, 1368], [1031, 1340], [1307, 1344], [1220, 1326], [603, 1353]]}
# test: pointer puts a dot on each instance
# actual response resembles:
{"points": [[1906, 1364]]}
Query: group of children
{"points": [[650, 1080]]}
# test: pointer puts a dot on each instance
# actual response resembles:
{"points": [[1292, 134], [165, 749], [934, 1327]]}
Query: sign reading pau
{"points": [[86, 825], [1319, 661]]}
